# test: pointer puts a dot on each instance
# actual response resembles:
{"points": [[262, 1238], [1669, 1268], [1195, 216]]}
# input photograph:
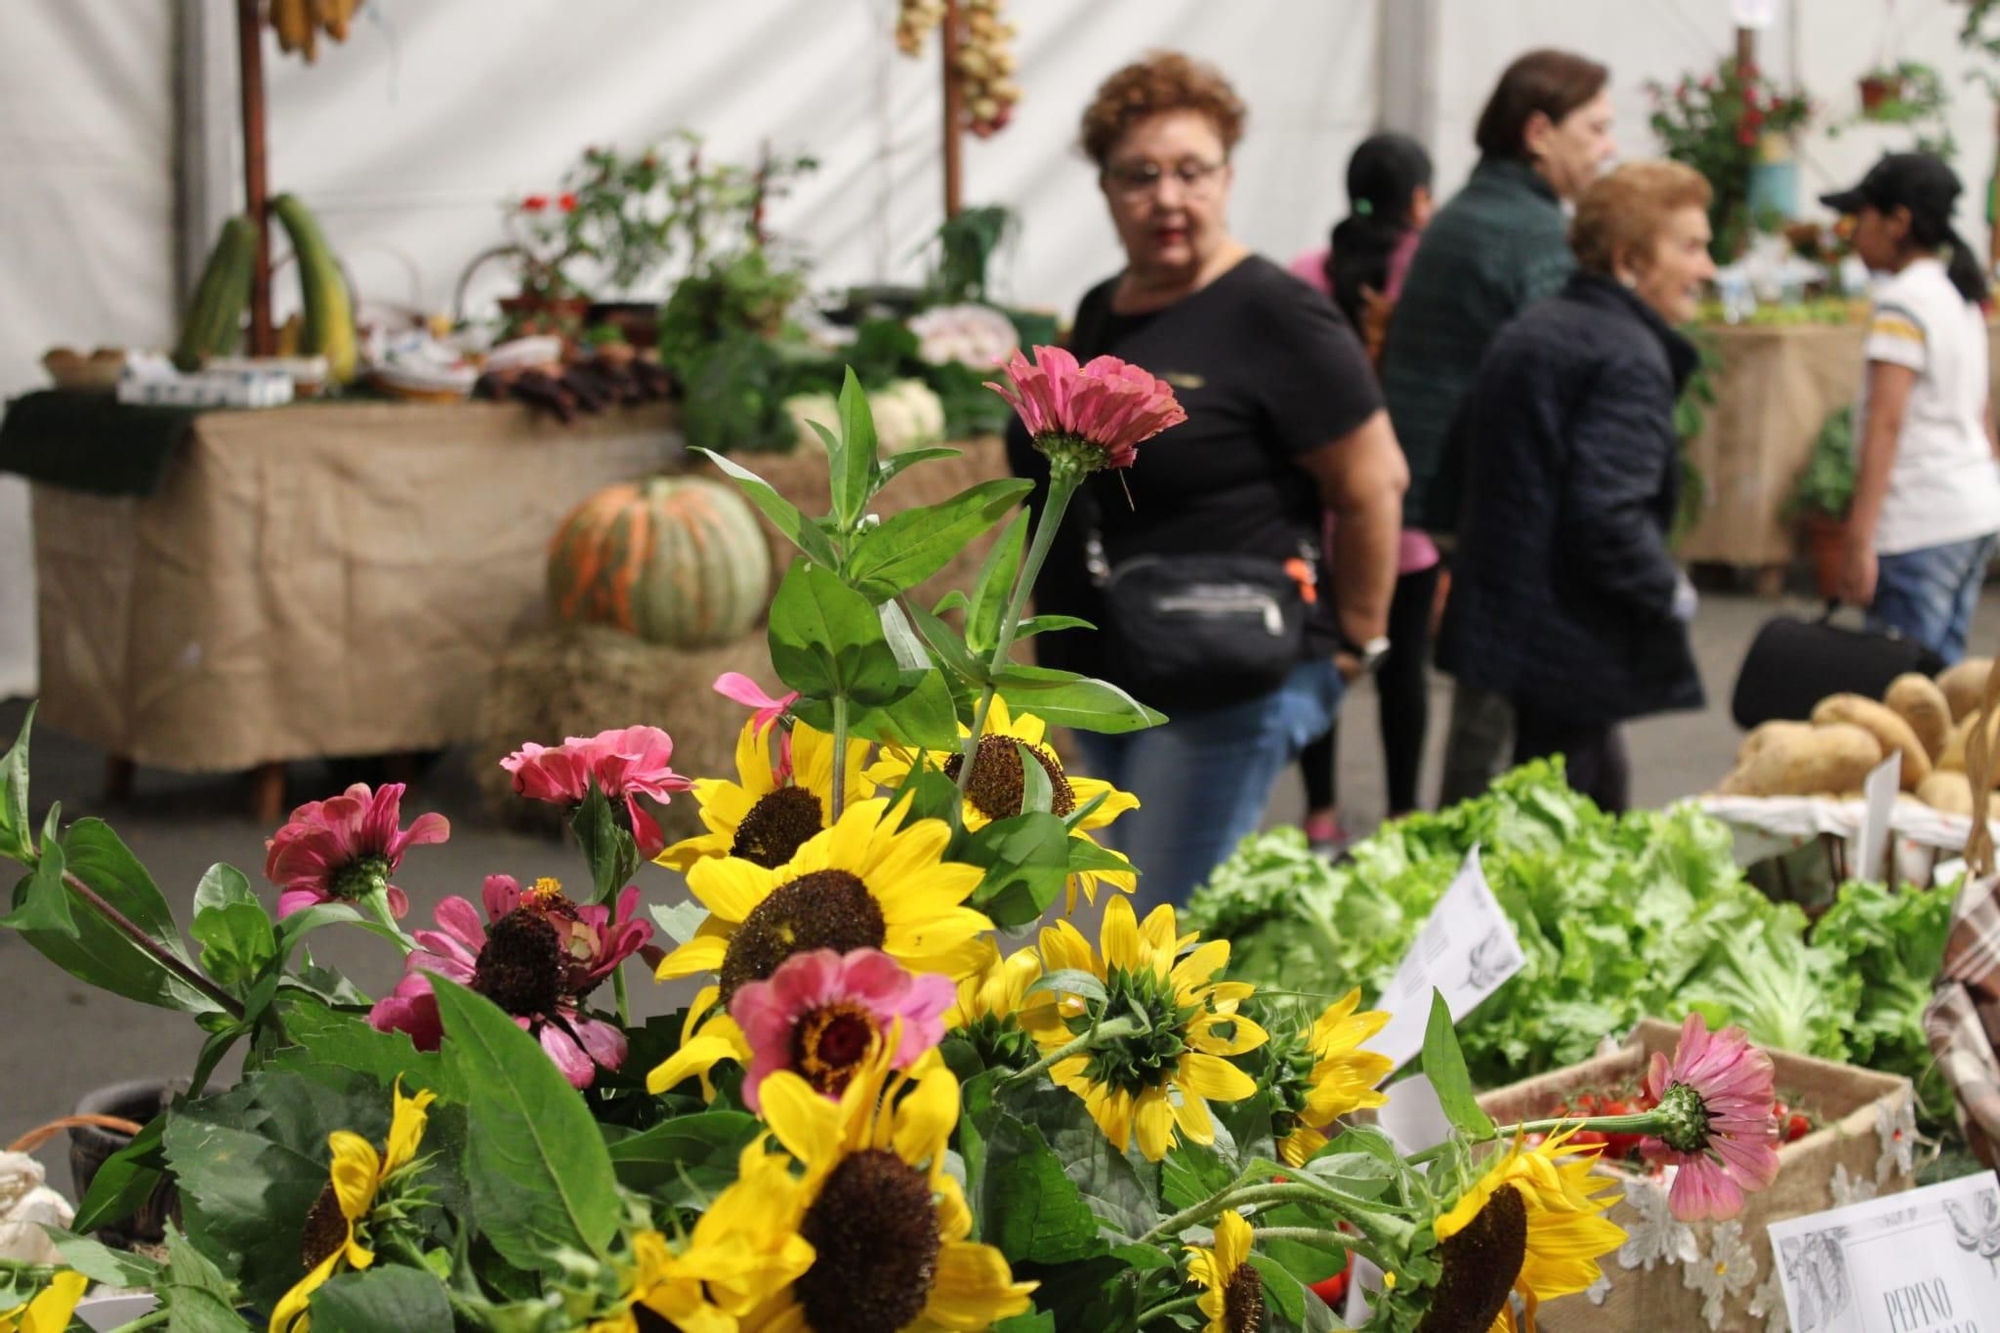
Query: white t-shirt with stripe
{"points": [[1945, 486]]}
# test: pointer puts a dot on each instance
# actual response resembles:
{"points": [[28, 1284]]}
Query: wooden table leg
{"points": [[118, 774], [267, 794]]}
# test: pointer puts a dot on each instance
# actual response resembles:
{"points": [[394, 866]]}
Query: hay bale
{"points": [[801, 478], [580, 680]]}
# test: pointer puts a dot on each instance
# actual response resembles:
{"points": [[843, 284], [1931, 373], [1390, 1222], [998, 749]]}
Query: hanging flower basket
{"points": [[1878, 90], [1718, 1275]]}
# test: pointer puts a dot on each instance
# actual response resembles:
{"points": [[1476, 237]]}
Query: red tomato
{"points": [[1797, 1126]]}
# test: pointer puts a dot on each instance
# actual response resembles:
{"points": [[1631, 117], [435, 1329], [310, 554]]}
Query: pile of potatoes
{"points": [[1928, 720]]}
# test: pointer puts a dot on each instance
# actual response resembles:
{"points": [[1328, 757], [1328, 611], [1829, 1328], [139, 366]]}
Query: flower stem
{"points": [[1172, 1307], [839, 757], [159, 952], [1650, 1123], [1339, 1240], [1103, 1032], [1063, 482], [618, 994], [377, 901]]}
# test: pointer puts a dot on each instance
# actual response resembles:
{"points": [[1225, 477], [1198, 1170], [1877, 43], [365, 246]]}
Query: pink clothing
{"points": [[1414, 549]]}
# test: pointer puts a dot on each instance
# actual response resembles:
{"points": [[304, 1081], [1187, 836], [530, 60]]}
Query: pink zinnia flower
{"points": [[1092, 416], [821, 1014], [735, 685], [625, 764], [536, 955], [1717, 1090], [345, 847]]}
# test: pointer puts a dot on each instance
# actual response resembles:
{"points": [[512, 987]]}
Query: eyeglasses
{"points": [[1142, 178]]}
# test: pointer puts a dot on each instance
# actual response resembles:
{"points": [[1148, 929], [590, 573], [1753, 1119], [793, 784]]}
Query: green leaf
{"points": [[1071, 981], [1027, 865], [1028, 1207], [541, 1178], [380, 1298], [949, 648], [101, 1263], [1444, 1066], [924, 717], [894, 464], [198, 1296], [43, 901], [1038, 794], [994, 587], [100, 953], [907, 548], [237, 938], [608, 848], [322, 1035], [801, 531], [1035, 1321], [1033, 625], [125, 1181], [826, 639], [911, 655], [17, 831], [686, 1161], [1069, 700], [852, 468], [1121, 1191]]}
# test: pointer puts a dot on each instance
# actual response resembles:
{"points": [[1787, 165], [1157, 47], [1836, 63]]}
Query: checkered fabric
{"points": [[1963, 1019]]}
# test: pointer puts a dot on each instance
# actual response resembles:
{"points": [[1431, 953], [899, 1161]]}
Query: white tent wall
{"points": [[86, 220]]}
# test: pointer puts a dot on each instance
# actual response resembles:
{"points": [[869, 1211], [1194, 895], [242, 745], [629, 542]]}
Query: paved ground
{"points": [[59, 1038]]}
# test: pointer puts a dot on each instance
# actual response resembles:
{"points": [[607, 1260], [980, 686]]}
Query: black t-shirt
{"points": [[1267, 371]]}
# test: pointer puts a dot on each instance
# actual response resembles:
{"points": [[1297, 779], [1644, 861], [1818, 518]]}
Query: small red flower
{"points": [[566, 201], [345, 847], [534, 203], [1101, 411], [625, 764]]}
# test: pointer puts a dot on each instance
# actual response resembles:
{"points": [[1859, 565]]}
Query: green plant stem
{"points": [[1103, 1032], [146, 1321], [126, 927], [1231, 1196], [1339, 1240], [839, 757], [1172, 1307], [1063, 482], [618, 994], [1645, 1122], [377, 901]]}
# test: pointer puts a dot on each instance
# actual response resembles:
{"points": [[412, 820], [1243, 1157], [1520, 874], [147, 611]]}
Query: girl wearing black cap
{"points": [[1927, 492]]}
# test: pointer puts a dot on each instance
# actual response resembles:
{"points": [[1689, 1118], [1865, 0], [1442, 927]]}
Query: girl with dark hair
{"points": [[1389, 192], [1926, 507]]}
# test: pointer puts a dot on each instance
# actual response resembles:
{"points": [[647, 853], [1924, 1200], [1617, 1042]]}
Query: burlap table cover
{"points": [[1775, 387], [1851, 1106], [316, 580]]}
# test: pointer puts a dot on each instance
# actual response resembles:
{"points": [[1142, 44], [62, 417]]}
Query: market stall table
{"points": [[312, 581], [1775, 387]]}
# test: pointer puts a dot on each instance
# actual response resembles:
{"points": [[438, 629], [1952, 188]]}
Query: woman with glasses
{"points": [[1284, 420]]}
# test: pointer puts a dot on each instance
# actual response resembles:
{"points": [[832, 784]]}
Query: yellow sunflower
{"points": [[760, 818], [1159, 1080], [743, 1250], [888, 1223], [1232, 1294], [52, 1307], [333, 1227], [1533, 1223], [1325, 1075], [989, 1002], [995, 791], [862, 884]]}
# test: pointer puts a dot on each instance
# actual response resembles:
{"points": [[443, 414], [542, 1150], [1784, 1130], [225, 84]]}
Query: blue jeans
{"points": [[1203, 779], [1929, 595]]}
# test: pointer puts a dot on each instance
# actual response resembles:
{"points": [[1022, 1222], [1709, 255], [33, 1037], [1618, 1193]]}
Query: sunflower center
{"points": [[1687, 1118], [828, 1043], [997, 785], [826, 909], [1243, 1301], [777, 826], [1151, 1056], [325, 1230], [1480, 1265], [359, 878], [876, 1233], [521, 969]]}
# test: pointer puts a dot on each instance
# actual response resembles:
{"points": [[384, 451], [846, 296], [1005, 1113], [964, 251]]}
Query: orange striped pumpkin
{"points": [[679, 561]]}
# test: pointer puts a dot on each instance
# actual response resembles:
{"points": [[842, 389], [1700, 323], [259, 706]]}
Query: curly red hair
{"points": [[1164, 81]]}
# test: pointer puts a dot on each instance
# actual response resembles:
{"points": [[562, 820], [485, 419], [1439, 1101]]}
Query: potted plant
{"points": [[1729, 125], [1821, 496]]}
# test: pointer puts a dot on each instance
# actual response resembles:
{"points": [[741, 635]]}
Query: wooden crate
{"points": [[1848, 1103]]}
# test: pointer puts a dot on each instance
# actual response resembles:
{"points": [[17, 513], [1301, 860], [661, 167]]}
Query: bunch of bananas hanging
{"points": [[299, 22], [983, 56]]}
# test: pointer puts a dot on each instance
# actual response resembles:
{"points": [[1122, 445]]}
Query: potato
{"points": [[1953, 758], [1885, 726], [1832, 758], [1918, 701], [1964, 684], [1952, 794], [1766, 733]]}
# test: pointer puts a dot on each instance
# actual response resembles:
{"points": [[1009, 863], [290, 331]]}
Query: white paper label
{"points": [[1880, 792], [1927, 1261], [1413, 1117], [1467, 949]]}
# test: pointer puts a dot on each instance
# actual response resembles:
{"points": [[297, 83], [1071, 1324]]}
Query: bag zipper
{"points": [[1223, 600]]}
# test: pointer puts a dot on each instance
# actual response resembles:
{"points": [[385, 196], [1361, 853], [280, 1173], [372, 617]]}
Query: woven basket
{"points": [[1842, 1100]]}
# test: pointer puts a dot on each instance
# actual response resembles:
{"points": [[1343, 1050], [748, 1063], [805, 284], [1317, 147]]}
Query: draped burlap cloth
{"points": [[1842, 1100]]}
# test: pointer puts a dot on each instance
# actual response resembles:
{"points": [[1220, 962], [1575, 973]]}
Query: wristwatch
{"points": [[1369, 654]]}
